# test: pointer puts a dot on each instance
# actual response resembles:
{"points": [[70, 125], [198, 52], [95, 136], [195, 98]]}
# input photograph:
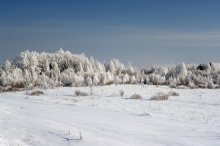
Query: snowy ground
{"points": [[58, 118]]}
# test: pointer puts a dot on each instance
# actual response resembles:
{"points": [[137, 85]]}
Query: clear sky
{"points": [[141, 32]]}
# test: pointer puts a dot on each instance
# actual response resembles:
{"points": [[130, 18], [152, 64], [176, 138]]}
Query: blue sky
{"points": [[141, 32]]}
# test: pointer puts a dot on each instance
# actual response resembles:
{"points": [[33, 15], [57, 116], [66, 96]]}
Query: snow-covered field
{"points": [[59, 118]]}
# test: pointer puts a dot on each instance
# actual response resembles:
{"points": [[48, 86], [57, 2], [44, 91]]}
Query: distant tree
{"points": [[181, 72], [112, 67], [7, 66], [96, 79], [89, 81]]}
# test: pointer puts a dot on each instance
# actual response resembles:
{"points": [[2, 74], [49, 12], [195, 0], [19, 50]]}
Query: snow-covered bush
{"points": [[173, 93], [80, 93], [36, 93], [160, 96], [135, 96], [121, 92]]}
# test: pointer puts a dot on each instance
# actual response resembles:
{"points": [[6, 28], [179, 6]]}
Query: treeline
{"points": [[47, 70]]}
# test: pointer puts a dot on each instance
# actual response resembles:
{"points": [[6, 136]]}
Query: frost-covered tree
{"points": [[80, 68], [112, 67], [96, 79], [157, 79], [88, 81], [3, 79], [130, 69], [215, 66], [117, 80], [109, 78], [7, 66], [78, 80], [125, 79], [181, 72], [133, 80]]}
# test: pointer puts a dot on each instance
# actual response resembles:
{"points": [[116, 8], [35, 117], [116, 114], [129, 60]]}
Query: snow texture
{"points": [[59, 118]]}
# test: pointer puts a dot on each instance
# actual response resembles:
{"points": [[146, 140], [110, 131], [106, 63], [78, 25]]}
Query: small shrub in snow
{"points": [[172, 86], [181, 87], [36, 93], [80, 93], [80, 136], [121, 93], [160, 96], [172, 93], [91, 90], [135, 96]]}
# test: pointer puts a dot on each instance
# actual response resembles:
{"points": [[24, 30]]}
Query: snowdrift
{"points": [[47, 70]]}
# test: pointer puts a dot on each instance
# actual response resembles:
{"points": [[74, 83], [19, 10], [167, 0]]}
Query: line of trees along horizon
{"points": [[63, 68]]}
